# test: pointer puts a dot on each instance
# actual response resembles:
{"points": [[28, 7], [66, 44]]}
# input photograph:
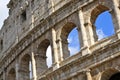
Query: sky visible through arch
{"points": [[103, 22]]}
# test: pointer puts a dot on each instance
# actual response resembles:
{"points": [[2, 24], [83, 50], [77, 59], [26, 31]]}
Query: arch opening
{"points": [[115, 76], [12, 74], [73, 41], [49, 56], [44, 56], [70, 41], [26, 68], [102, 22], [104, 25], [107, 74]]}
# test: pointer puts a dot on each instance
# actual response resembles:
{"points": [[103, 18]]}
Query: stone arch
{"points": [[12, 74], [41, 58], [106, 75], [66, 29], [25, 67], [99, 9], [96, 11], [115, 76]]}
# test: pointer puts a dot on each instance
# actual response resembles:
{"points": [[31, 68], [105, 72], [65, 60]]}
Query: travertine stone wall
{"points": [[33, 25]]}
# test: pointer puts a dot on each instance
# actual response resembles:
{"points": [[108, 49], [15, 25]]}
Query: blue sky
{"points": [[104, 28], [73, 40], [3, 11], [103, 23]]}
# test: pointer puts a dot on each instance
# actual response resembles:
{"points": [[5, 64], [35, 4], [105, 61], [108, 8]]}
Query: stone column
{"points": [[117, 16], [88, 75], [32, 20], [24, 72], [90, 32], [65, 50], [54, 50], [34, 76], [60, 52], [4, 74], [84, 37], [84, 42], [52, 3], [41, 64]]}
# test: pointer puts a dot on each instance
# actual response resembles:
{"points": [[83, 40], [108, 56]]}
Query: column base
{"points": [[85, 51]]}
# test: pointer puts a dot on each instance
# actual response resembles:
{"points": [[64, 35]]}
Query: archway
{"points": [[12, 74], [109, 74], [41, 59], [115, 76], [25, 68], [69, 39], [102, 22]]}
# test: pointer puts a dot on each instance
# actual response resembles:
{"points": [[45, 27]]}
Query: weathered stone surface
{"points": [[33, 25]]}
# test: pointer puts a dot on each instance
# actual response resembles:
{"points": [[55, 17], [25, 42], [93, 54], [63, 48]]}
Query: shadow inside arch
{"points": [[109, 74], [115, 76]]}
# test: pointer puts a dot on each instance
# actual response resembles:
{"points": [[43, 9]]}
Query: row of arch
{"points": [[24, 71], [111, 74], [25, 64]]}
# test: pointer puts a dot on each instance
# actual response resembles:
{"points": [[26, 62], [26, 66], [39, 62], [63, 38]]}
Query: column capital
{"points": [[40, 56], [79, 9], [87, 24], [86, 70], [88, 74]]}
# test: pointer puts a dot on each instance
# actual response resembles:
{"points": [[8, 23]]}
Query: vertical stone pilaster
{"points": [[90, 32], [65, 50], [54, 50], [60, 52], [4, 74], [84, 39], [52, 3], [88, 75], [32, 19], [84, 42], [34, 77], [117, 17], [40, 59]]}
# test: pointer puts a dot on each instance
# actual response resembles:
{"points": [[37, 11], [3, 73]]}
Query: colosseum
{"points": [[33, 25]]}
